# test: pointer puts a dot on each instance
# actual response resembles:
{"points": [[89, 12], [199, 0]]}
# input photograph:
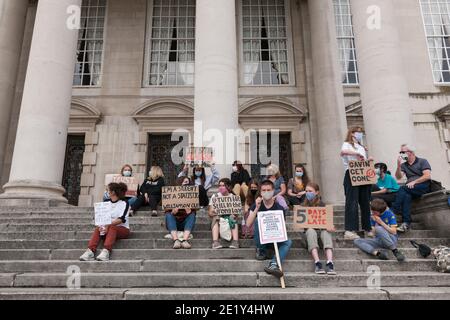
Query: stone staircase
{"points": [[40, 247]]}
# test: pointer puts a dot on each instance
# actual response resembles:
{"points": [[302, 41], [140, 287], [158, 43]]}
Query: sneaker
{"points": [[87, 256], [154, 213], [260, 255], [330, 269], [405, 227], [103, 256], [319, 268], [131, 213], [382, 255], [234, 244], [177, 244], [399, 255], [273, 269], [217, 245], [351, 235], [186, 245], [370, 234]]}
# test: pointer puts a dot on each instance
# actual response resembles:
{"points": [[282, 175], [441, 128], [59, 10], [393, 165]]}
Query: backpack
{"points": [[435, 186], [247, 232], [424, 250], [442, 255]]}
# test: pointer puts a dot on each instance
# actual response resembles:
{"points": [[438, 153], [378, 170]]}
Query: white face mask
{"points": [[127, 173], [235, 168], [267, 195]]}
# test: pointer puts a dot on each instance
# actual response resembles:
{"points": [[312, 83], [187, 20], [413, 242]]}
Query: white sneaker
{"points": [[350, 235], [154, 213], [103, 256], [369, 234], [88, 256]]}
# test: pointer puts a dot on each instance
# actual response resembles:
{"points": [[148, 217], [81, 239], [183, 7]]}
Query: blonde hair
{"points": [[273, 170], [155, 173]]}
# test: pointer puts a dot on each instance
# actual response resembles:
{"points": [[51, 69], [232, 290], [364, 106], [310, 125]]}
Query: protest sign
{"points": [[102, 213], [181, 197], [227, 205], [362, 173], [272, 227], [313, 217], [198, 156], [131, 182]]}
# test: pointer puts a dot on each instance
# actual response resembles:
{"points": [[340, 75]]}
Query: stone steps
{"points": [[204, 265], [222, 279]]}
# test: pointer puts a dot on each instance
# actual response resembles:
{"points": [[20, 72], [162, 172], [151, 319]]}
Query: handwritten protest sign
{"points": [[313, 217], [198, 156], [362, 173], [272, 227], [131, 182], [181, 197], [227, 205], [102, 213]]}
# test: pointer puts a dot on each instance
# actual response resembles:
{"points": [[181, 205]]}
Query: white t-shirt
{"points": [[121, 210], [358, 148]]}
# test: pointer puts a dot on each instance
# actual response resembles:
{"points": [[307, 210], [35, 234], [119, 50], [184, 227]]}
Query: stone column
{"points": [[329, 98], [12, 26], [387, 113], [38, 158], [216, 73]]}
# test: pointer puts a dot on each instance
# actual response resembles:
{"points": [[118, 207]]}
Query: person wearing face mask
{"points": [[252, 195], [181, 220], [126, 171], [150, 192], [274, 175], [224, 190], [353, 150], [418, 177], [313, 199], [240, 180], [266, 202], [296, 186], [386, 187], [200, 177]]}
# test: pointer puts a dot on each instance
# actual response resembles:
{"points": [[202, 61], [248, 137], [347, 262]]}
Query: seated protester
{"points": [[126, 171], [224, 190], [386, 187], [275, 176], [181, 220], [119, 228], [199, 176], [313, 199], [252, 195], [240, 180], [418, 175], [296, 186], [150, 191], [267, 203], [384, 226]]}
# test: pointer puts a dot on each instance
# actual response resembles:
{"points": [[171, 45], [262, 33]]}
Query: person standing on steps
{"points": [[150, 192], [384, 226], [353, 150], [418, 177], [267, 203], [119, 228], [313, 199]]}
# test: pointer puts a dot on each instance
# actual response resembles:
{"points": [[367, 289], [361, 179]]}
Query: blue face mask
{"points": [[310, 196], [359, 136], [299, 174], [198, 174]]}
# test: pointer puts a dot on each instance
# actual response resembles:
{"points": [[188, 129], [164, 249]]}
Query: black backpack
{"points": [[424, 250]]}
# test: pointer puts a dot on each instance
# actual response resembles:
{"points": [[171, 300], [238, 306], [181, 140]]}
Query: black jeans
{"points": [[153, 201], [388, 197], [355, 196]]}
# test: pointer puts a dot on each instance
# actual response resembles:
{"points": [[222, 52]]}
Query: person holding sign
{"points": [[353, 150], [150, 192], [297, 185], [384, 226], [199, 176], [119, 228], [224, 191], [313, 199], [267, 202], [181, 220]]}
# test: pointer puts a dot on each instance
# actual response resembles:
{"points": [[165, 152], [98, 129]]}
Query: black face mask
{"points": [[254, 192]]}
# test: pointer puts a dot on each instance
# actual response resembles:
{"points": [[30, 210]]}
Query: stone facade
{"points": [[117, 116]]}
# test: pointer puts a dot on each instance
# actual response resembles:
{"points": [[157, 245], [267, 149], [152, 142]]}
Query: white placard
{"points": [[103, 213], [272, 227]]}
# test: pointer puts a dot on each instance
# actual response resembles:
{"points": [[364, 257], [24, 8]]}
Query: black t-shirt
{"points": [[276, 206]]}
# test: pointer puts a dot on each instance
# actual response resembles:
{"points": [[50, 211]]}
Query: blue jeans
{"points": [[172, 224], [383, 240], [283, 247], [405, 195]]}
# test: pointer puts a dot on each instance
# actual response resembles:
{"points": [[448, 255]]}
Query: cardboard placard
{"points": [[313, 217], [362, 173], [103, 213], [131, 182], [227, 205], [272, 227], [181, 197], [198, 156]]}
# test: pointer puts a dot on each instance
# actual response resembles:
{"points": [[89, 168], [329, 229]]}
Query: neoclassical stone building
{"points": [[78, 103]]}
